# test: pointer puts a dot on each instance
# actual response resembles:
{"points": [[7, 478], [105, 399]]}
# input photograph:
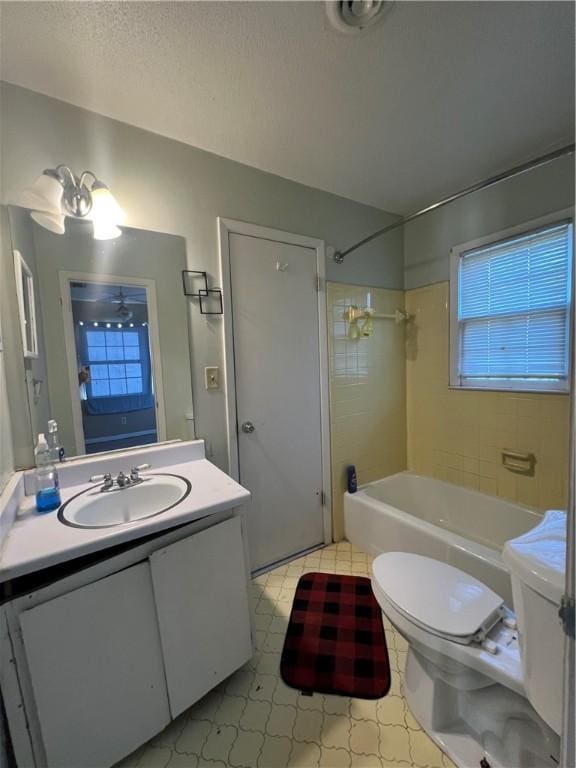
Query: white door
{"points": [[201, 591], [278, 393], [96, 666]]}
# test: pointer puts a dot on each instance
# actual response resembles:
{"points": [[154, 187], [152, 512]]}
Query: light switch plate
{"points": [[212, 377]]}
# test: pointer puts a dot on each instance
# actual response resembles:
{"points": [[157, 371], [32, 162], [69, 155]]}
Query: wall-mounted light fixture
{"points": [[58, 192]]}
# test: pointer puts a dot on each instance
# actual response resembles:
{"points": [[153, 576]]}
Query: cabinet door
{"points": [[201, 590], [95, 662]]}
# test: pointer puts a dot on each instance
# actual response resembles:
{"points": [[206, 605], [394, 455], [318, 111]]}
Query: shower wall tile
{"points": [[459, 435], [367, 392]]}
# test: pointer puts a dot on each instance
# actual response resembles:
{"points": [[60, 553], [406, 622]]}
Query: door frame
{"points": [[65, 278], [227, 227]]}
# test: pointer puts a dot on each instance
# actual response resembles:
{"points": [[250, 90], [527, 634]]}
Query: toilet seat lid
{"points": [[435, 595]]}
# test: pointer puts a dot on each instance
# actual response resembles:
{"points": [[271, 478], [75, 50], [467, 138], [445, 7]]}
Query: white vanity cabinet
{"points": [[203, 611], [107, 657], [95, 664]]}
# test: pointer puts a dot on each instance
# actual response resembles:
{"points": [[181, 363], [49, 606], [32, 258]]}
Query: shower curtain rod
{"points": [[516, 171]]}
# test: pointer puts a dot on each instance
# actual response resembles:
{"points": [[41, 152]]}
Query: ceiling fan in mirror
{"points": [[121, 298]]}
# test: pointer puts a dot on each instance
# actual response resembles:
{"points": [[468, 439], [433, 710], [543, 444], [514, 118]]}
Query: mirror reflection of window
{"points": [[118, 361], [113, 353]]}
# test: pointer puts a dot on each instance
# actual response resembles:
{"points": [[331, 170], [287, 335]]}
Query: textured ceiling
{"points": [[440, 95]]}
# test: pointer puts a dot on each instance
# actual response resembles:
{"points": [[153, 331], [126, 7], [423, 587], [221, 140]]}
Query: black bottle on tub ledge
{"points": [[351, 479]]}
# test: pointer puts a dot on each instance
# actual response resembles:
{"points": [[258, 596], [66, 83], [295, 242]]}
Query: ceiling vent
{"points": [[354, 16]]}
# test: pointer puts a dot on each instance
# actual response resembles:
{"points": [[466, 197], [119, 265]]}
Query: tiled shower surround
{"points": [[391, 407], [458, 435], [367, 391]]}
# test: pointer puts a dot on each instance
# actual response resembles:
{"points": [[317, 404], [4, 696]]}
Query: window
{"points": [[116, 361], [510, 301]]}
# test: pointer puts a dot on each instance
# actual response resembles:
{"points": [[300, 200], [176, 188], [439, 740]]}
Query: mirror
{"points": [[104, 334]]}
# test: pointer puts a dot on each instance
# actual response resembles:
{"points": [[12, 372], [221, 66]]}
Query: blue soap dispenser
{"points": [[47, 490]]}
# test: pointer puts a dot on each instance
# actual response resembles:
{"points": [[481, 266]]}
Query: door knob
{"points": [[248, 427]]}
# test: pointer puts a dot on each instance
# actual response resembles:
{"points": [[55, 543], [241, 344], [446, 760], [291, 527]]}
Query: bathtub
{"points": [[410, 513]]}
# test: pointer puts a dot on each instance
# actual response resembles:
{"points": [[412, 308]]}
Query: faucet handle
{"points": [[105, 479], [100, 478], [135, 472]]}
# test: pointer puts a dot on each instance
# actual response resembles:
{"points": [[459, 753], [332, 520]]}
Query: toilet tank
{"points": [[537, 564]]}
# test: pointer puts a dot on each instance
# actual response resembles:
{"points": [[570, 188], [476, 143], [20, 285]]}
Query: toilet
{"points": [[485, 683]]}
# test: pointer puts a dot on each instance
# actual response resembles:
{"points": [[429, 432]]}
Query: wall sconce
{"points": [[59, 192]]}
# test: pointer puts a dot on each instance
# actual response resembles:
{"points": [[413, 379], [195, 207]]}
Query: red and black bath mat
{"points": [[335, 641]]}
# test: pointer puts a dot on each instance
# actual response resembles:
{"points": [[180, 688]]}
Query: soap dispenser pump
{"points": [[47, 490]]}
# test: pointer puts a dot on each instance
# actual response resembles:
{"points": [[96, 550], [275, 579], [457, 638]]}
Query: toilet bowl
{"points": [[484, 683]]}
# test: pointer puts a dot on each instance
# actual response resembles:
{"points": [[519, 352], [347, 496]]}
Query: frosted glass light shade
{"points": [[105, 231], [45, 194], [105, 209], [52, 221]]}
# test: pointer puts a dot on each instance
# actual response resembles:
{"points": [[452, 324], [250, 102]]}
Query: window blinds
{"points": [[513, 309]]}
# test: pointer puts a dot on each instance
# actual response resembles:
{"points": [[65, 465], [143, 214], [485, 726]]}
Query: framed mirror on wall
{"points": [[104, 335]]}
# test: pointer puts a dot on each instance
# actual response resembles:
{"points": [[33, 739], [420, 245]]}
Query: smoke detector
{"points": [[354, 16]]}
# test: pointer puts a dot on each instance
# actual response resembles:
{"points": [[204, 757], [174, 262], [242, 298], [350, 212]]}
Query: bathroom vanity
{"points": [[108, 633]]}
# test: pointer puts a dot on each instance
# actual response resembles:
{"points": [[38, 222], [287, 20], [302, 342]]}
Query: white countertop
{"points": [[36, 541]]}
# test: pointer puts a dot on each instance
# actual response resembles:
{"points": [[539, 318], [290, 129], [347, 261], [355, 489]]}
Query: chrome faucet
{"points": [[122, 481]]}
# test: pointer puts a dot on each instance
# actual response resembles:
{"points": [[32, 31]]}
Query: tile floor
{"points": [[253, 720]]}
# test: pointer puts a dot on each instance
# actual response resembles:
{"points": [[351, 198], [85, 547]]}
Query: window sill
{"points": [[510, 390]]}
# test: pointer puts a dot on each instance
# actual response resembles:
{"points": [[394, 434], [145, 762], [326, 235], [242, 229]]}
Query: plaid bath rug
{"points": [[335, 640]]}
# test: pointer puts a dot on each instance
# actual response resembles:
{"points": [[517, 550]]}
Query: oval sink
{"points": [[93, 508]]}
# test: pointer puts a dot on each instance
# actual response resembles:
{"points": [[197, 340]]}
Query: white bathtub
{"points": [[411, 513]]}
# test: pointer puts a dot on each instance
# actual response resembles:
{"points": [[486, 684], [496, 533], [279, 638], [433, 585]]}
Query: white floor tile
{"points": [[193, 736], [170, 734], [219, 742], [240, 683], [281, 721], [364, 737], [304, 755], [262, 621], [394, 743], [423, 751], [336, 732], [335, 758], [230, 710], [255, 716], [365, 761], [275, 752], [285, 695], [337, 705], [182, 761], [364, 709], [308, 726], [279, 625], [263, 687], [273, 643], [391, 710], [206, 708], [246, 749], [315, 701], [155, 757], [269, 664]]}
